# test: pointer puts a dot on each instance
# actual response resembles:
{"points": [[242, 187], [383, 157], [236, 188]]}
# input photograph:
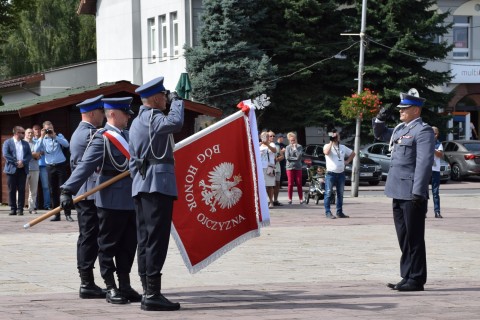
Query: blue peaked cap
{"points": [[122, 104], [407, 100], [91, 104], [151, 87]]}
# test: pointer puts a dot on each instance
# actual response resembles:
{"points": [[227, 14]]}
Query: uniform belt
{"points": [[110, 173], [56, 164], [159, 161]]}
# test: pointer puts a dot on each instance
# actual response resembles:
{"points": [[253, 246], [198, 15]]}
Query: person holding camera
{"points": [[268, 152], [412, 145], [51, 144], [335, 154], [293, 155]]}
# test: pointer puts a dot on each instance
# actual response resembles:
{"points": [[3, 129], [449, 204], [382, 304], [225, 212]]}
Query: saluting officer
{"points": [[154, 186], [412, 144], [117, 239], [87, 244]]}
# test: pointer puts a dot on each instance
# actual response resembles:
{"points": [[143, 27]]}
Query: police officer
{"points": [[412, 144], [154, 186], [117, 240], [87, 245]]}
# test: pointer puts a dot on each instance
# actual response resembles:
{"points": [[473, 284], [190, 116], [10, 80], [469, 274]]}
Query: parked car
{"points": [[463, 156], [370, 171], [379, 152]]}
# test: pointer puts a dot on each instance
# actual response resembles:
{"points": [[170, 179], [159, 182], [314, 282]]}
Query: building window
{"points": [[174, 34], [461, 43], [163, 36], [152, 40]]}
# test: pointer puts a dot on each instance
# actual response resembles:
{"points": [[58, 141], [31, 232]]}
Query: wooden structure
{"points": [[60, 109]]}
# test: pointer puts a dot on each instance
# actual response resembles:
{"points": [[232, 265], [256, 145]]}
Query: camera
{"points": [[48, 131]]}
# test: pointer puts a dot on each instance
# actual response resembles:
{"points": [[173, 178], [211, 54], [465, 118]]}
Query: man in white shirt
{"points": [[335, 154], [438, 154]]}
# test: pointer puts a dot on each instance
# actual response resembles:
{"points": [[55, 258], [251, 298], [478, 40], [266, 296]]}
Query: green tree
{"points": [[227, 66], [302, 37], [47, 34], [402, 38]]}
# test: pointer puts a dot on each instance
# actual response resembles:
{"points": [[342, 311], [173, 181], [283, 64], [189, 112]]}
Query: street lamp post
{"points": [[356, 160]]}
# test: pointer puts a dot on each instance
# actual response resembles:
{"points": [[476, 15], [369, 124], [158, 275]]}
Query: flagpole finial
{"points": [[258, 103]]}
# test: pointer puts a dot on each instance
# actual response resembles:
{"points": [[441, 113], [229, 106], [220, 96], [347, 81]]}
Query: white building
{"points": [[141, 40]]}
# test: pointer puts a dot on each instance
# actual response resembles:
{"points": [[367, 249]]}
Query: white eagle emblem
{"points": [[222, 190]]}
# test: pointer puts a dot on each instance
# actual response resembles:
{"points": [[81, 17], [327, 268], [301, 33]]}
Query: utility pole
{"points": [[356, 160]]}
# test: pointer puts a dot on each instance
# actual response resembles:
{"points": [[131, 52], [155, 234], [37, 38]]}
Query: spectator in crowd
{"points": [[280, 168], [267, 155], [293, 155], [51, 144], [335, 154], [33, 173], [17, 156], [438, 155], [42, 169]]}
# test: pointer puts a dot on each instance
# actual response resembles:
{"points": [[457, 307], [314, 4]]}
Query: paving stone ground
{"points": [[303, 266]]}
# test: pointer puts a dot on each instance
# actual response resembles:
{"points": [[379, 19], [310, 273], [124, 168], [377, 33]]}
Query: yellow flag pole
{"points": [[79, 198]]}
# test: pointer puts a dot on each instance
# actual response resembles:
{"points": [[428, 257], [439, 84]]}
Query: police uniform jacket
{"points": [[412, 158], [156, 127], [78, 143], [116, 196]]}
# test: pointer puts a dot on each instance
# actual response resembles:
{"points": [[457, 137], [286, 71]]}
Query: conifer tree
{"points": [[227, 66]]}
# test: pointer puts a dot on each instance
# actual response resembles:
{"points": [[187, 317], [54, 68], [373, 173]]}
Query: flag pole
{"points": [[77, 199]]}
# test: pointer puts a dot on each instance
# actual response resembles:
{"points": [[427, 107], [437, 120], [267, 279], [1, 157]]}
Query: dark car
{"points": [[463, 156], [379, 152], [370, 171]]}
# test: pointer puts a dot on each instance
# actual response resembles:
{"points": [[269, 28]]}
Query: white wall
{"points": [[115, 53]]}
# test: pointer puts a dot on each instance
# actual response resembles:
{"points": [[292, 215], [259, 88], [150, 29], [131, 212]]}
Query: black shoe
{"points": [[69, 218], [115, 297], [395, 286], [438, 215], [409, 286], [329, 215], [92, 291], [131, 294], [342, 215], [20, 213], [13, 213], [277, 204], [55, 218], [158, 302]]}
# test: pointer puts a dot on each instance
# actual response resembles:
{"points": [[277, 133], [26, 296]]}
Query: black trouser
{"points": [[16, 183], [410, 226], [87, 244], [154, 220], [57, 175], [117, 240]]}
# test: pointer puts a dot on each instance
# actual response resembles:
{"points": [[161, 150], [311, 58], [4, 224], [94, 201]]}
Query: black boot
{"points": [[88, 288], [126, 290], [154, 300], [143, 279], [113, 294]]}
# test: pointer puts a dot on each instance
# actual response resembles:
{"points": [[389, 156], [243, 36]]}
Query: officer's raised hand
{"points": [[66, 200], [172, 96], [385, 113]]}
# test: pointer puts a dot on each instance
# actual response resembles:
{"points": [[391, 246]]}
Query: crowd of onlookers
{"points": [[33, 163]]}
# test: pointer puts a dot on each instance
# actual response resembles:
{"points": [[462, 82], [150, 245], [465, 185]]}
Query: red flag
{"points": [[218, 204]]}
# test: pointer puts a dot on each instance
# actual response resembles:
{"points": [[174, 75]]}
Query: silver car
{"points": [[463, 156], [379, 153]]}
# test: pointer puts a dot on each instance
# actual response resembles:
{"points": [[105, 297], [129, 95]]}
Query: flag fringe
{"points": [[214, 256]]}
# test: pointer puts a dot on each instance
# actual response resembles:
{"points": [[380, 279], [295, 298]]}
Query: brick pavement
{"points": [[302, 267]]}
